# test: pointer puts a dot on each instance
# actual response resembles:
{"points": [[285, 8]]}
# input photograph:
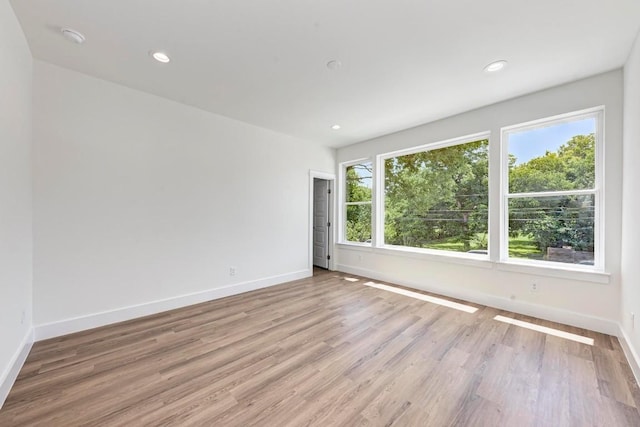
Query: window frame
{"points": [[380, 196], [343, 202], [596, 113]]}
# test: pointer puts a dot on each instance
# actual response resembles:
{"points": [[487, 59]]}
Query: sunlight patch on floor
{"points": [[351, 279], [423, 297], [544, 329]]}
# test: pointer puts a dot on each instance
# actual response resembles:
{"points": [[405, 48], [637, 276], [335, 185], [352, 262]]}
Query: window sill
{"points": [[460, 258], [563, 271], [355, 245], [481, 261]]}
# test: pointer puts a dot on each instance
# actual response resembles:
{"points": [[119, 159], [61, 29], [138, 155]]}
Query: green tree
{"points": [[572, 167], [556, 220], [358, 224], [437, 195]]}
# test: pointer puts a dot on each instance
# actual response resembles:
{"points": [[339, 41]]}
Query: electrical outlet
{"points": [[534, 287], [23, 317], [633, 320], [232, 271]]}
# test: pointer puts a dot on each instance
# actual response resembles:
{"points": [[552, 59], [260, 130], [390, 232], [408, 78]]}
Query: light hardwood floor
{"points": [[324, 351]]}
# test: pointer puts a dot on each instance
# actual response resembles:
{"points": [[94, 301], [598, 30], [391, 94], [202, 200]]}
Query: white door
{"points": [[321, 222]]}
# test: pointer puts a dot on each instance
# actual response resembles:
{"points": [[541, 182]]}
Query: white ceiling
{"points": [[405, 62]]}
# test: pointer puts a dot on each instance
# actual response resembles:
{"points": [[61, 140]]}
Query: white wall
{"points": [[631, 203], [139, 199], [15, 195], [566, 299]]}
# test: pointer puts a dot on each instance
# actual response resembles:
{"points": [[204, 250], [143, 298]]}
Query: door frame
{"points": [[332, 217]]}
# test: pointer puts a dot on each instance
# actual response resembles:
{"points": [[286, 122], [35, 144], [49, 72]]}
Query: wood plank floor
{"points": [[324, 351]]}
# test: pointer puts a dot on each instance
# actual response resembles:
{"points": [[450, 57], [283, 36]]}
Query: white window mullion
{"points": [[504, 200], [378, 198], [539, 194]]}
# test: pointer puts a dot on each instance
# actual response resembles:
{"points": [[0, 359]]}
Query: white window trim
{"points": [[448, 257], [598, 267], [550, 269], [436, 145], [495, 259], [342, 212], [562, 271], [380, 197]]}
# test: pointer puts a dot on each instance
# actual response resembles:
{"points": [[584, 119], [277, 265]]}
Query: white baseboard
{"points": [[630, 352], [13, 369], [529, 309], [94, 320]]}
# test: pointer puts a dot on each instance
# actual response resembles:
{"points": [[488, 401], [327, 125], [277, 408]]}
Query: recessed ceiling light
{"points": [[72, 35], [334, 65], [495, 66], [160, 57], [335, 127]]}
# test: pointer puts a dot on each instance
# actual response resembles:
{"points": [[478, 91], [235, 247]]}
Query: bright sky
{"points": [[365, 174], [528, 144]]}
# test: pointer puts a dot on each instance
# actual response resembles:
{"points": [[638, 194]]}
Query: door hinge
{"points": [[328, 191], [328, 224], [328, 256]]}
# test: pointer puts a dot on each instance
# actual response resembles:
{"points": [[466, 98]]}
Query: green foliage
{"points": [[524, 246], [439, 199], [556, 221], [571, 168], [480, 241], [438, 195], [357, 178], [358, 224]]}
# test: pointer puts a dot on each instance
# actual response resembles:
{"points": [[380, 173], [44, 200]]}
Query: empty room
{"points": [[319, 213]]}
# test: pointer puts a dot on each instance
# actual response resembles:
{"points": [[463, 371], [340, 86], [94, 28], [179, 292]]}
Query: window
{"points": [[358, 193], [433, 200], [437, 197], [550, 195]]}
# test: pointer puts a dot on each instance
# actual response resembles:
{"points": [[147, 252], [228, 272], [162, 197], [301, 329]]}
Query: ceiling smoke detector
{"points": [[334, 65], [72, 35]]}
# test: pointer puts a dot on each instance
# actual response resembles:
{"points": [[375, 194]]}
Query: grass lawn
{"points": [[451, 244], [521, 246], [446, 245]]}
